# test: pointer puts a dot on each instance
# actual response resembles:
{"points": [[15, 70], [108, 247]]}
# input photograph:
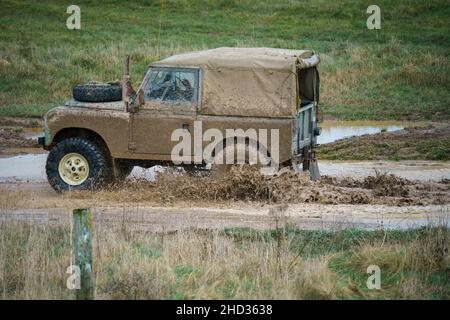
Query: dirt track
{"points": [[143, 209], [305, 216], [30, 164], [350, 195]]}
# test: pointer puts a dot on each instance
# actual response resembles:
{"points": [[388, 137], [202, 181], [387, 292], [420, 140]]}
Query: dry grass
{"points": [[408, 271], [284, 263]]}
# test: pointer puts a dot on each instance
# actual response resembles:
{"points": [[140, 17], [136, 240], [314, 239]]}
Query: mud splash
{"points": [[382, 184], [248, 184]]}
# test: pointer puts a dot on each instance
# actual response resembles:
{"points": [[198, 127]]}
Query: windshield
{"points": [[172, 85]]}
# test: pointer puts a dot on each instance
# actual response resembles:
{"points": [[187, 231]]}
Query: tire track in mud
{"points": [[305, 216], [175, 202], [286, 186]]}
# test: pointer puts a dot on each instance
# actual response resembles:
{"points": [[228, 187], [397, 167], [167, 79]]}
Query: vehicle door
{"points": [[171, 97]]}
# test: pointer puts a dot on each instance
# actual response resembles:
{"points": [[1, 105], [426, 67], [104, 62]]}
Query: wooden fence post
{"points": [[82, 249]]}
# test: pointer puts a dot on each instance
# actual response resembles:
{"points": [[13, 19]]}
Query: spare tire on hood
{"points": [[98, 92]]}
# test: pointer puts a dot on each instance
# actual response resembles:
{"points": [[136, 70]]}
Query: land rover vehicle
{"points": [[93, 142]]}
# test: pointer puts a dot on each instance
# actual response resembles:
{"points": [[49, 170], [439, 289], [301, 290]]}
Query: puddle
{"points": [[23, 167], [335, 130], [32, 167]]}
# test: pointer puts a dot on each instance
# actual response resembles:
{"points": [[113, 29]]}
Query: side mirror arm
{"points": [[136, 101], [127, 90]]}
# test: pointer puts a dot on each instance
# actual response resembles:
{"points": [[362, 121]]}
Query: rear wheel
{"points": [[309, 163], [227, 157], [306, 159], [78, 164]]}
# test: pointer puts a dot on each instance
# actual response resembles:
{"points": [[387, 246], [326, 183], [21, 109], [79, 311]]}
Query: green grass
{"points": [[426, 149], [398, 72], [435, 149]]}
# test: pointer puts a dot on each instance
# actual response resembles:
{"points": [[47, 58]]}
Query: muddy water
{"points": [[24, 167], [32, 167], [335, 130]]}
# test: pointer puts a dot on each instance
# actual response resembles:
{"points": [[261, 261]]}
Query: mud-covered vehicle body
{"points": [[224, 88]]}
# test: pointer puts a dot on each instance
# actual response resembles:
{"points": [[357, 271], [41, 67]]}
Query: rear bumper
{"points": [[305, 129]]}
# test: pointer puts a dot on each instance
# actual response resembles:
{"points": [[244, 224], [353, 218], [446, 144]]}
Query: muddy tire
{"points": [[77, 164], [123, 170], [98, 92], [219, 168]]}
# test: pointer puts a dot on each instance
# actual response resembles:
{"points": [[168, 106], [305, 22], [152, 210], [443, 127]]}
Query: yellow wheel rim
{"points": [[73, 169]]}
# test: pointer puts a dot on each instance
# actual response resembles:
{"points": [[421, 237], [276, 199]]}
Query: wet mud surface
{"points": [[425, 142], [363, 194]]}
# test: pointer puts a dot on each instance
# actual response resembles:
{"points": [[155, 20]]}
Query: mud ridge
{"points": [[248, 184], [14, 137]]}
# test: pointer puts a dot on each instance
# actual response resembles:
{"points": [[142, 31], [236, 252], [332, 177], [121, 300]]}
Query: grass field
{"points": [[398, 72], [284, 263]]}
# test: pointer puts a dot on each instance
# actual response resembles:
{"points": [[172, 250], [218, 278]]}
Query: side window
{"points": [[176, 86]]}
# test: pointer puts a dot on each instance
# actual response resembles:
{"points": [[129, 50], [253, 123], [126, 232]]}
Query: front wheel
{"points": [[77, 164]]}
